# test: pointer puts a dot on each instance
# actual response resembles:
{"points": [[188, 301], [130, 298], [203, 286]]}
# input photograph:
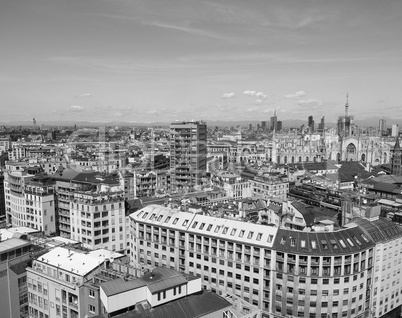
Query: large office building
{"points": [[188, 154], [324, 272]]}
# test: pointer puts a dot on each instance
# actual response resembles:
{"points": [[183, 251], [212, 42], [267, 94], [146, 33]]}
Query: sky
{"points": [[167, 60]]}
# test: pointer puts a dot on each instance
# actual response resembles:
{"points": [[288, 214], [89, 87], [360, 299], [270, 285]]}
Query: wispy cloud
{"points": [[186, 29], [296, 95], [84, 95], [228, 95], [261, 97], [311, 102], [76, 108], [249, 93]]}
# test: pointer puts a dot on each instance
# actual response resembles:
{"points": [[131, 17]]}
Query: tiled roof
{"points": [[305, 210], [206, 225], [160, 279], [20, 267], [384, 187], [380, 230], [196, 305], [345, 241]]}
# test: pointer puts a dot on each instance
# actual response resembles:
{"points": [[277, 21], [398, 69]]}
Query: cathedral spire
{"points": [[347, 105]]}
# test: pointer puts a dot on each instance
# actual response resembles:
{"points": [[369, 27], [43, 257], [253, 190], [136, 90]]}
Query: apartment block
{"points": [[285, 272], [14, 258], [65, 282], [98, 220], [40, 200], [188, 153], [16, 175]]}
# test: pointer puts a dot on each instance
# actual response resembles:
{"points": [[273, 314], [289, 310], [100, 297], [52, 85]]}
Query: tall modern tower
{"points": [[274, 121], [311, 123], [188, 153], [382, 125]]}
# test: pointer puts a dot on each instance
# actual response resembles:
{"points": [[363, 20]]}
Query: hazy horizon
{"points": [[153, 61]]}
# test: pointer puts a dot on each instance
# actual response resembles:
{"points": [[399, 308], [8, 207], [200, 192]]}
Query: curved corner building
{"points": [[350, 272]]}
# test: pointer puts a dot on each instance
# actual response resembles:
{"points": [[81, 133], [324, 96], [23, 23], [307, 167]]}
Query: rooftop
{"points": [[77, 261], [196, 305], [159, 279], [12, 244]]}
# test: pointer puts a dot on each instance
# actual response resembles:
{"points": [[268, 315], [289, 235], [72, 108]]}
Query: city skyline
{"points": [[144, 61]]}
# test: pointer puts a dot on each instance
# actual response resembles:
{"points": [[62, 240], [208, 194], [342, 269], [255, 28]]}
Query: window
{"points": [[313, 244], [175, 220], [91, 293], [259, 236], [92, 309], [250, 235], [233, 232], [242, 233]]}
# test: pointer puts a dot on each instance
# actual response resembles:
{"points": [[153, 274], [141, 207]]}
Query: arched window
{"points": [[351, 148]]}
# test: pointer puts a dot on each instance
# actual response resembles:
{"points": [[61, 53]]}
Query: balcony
{"points": [[74, 304]]}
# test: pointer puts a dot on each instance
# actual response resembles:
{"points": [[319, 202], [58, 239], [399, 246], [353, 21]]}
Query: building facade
{"points": [[14, 258], [63, 283], [284, 272], [188, 153]]}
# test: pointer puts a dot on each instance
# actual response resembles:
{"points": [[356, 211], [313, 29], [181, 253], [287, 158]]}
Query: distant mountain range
{"points": [[287, 123]]}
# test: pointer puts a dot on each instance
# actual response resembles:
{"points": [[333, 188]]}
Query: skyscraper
{"points": [[188, 153], [321, 125], [382, 125], [274, 121], [311, 123]]}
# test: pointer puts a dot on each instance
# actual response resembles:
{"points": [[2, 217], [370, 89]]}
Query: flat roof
{"points": [[76, 261], [12, 244]]}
